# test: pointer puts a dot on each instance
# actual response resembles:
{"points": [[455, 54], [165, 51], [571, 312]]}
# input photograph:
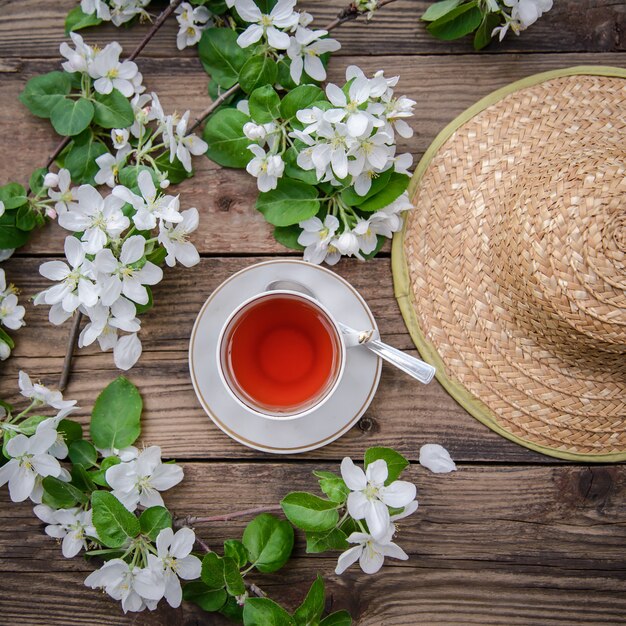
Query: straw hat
{"points": [[511, 270]]}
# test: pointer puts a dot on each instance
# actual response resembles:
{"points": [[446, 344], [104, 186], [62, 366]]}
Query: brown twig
{"points": [[351, 12], [71, 344], [190, 520]]}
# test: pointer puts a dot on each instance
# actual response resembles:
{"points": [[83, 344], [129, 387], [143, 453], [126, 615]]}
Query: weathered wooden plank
{"points": [[595, 25], [404, 414], [442, 86], [489, 545]]}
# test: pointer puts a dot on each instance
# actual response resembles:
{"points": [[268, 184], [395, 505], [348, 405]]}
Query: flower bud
{"points": [[5, 351], [51, 180], [51, 213]]}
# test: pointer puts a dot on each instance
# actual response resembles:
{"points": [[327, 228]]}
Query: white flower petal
{"points": [[347, 558], [436, 458], [352, 474]]}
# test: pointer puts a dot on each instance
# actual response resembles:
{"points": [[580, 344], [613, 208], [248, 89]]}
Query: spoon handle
{"points": [[409, 364]]}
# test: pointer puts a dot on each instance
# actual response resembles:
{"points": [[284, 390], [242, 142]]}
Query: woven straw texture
{"points": [[511, 270]]}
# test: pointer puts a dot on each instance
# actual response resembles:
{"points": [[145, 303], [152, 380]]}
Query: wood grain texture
{"points": [[572, 25], [404, 413], [443, 87], [553, 555]]}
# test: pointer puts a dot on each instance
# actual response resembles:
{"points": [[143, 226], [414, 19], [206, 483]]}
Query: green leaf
{"points": [[333, 539], [174, 170], [301, 97], [395, 187], [71, 430], [288, 236], [81, 479], [352, 198], [265, 612], [310, 512], [232, 577], [113, 522], [144, 308], [457, 23], [212, 573], [221, 56], [310, 611], [396, 463], [60, 495], [42, 93], [13, 195], [127, 176], [76, 20], [26, 218], [290, 203], [339, 618], [333, 486], [264, 105], [29, 425], [257, 71], [83, 453], [207, 599], [232, 610], [36, 180], [269, 542], [236, 551], [439, 9], [115, 420], [112, 110], [483, 34], [81, 155], [283, 79], [228, 146], [12, 237], [4, 336], [71, 117], [153, 520], [99, 477]]}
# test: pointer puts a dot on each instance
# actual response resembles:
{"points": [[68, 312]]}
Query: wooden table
{"points": [[513, 537]]}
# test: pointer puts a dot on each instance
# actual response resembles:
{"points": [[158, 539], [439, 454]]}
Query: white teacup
{"points": [[281, 354]]}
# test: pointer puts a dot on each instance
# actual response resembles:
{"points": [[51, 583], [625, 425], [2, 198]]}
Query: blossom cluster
{"points": [[371, 500], [109, 266], [191, 21], [11, 314], [286, 31], [348, 141]]}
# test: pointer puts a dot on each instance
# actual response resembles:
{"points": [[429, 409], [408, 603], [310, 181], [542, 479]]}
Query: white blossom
{"points": [[304, 51], [174, 238], [136, 588], [349, 108], [369, 496], [99, 7], [29, 459], [370, 552], [41, 394], [182, 145], [174, 560], [139, 482], [436, 458], [109, 73], [64, 197], [316, 236], [281, 16], [121, 276], [266, 168], [5, 350], [150, 205], [78, 59], [110, 166], [50, 180], [72, 525], [526, 12], [98, 218], [11, 313], [76, 284], [104, 322], [123, 11], [119, 137]]}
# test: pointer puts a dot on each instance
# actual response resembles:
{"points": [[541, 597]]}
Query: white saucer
{"points": [[353, 395]]}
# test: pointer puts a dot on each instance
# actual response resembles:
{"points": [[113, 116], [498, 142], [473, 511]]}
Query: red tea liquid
{"points": [[282, 353]]}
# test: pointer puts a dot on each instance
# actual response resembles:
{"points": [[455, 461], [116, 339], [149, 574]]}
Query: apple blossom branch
{"points": [[191, 520], [349, 13]]}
